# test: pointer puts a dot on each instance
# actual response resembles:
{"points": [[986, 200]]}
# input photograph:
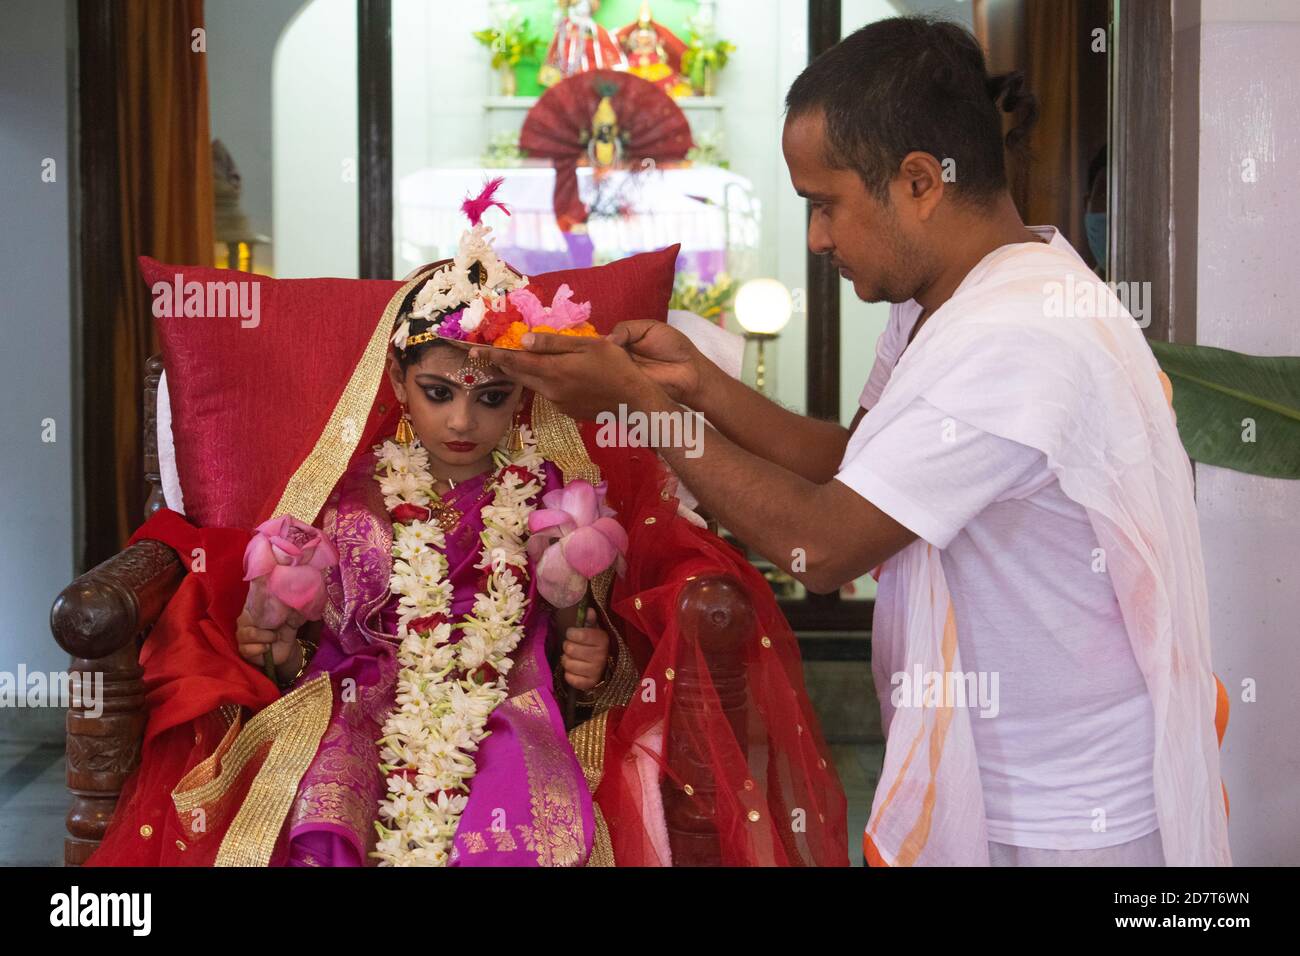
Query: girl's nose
{"points": [[461, 419]]}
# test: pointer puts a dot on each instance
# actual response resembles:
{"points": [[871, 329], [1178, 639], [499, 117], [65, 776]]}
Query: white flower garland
{"points": [[441, 712]]}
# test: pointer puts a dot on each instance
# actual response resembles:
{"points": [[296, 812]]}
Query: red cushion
{"points": [[637, 287], [249, 402]]}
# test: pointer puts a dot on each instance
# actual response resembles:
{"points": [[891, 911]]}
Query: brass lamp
{"points": [[762, 308]]}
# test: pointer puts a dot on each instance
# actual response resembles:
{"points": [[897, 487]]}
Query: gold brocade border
{"points": [[623, 682], [588, 742], [559, 441], [293, 725], [602, 847], [311, 484], [555, 798], [210, 768]]}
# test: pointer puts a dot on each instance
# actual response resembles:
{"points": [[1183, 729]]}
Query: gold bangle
{"points": [[308, 651], [587, 697]]}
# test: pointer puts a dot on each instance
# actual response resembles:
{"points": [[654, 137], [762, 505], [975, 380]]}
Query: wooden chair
{"points": [[102, 617]]}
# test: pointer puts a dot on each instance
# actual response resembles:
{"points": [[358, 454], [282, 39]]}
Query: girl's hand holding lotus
{"points": [[586, 653], [281, 641]]}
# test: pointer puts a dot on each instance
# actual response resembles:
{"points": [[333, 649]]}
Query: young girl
{"points": [[462, 417]]}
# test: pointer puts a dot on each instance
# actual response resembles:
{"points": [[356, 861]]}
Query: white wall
{"points": [[1246, 296], [36, 478], [242, 39], [314, 143]]}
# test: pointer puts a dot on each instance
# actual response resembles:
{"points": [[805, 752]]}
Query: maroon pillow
{"points": [[250, 396]]}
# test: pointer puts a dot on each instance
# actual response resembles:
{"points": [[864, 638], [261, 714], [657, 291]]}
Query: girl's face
{"points": [[458, 426]]}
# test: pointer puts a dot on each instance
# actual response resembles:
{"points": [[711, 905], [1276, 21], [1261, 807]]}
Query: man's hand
{"points": [[666, 356], [581, 376]]}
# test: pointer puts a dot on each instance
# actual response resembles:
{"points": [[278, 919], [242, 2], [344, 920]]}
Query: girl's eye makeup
{"points": [[438, 394]]}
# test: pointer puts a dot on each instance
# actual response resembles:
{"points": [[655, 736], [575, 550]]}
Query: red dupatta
{"points": [[743, 751]]}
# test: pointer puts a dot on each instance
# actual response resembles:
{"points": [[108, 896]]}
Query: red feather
{"points": [[474, 208]]}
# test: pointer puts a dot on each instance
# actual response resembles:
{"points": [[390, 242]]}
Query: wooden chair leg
{"points": [[102, 750], [716, 614]]}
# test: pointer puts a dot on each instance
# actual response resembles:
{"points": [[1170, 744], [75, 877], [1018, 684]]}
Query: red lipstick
{"points": [[460, 445]]}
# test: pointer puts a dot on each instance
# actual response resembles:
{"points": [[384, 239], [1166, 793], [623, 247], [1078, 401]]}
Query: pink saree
{"points": [[528, 804]]}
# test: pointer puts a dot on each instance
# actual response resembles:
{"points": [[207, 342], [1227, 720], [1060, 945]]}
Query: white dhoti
{"points": [[1144, 851]]}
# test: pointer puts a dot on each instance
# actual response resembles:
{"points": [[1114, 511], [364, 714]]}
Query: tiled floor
{"points": [[33, 802], [34, 798], [859, 770]]}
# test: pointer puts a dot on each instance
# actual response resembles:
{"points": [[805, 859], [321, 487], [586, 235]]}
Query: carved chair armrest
{"points": [[99, 619], [110, 605]]}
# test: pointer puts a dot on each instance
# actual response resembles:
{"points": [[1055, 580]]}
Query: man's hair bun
{"points": [[1008, 93]]}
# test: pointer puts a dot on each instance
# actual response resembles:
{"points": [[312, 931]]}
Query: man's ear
{"points": [[397, 377], [922, 178]]}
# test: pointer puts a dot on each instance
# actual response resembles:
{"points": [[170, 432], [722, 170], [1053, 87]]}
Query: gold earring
{"points": [[405, 433], [516, 437]]}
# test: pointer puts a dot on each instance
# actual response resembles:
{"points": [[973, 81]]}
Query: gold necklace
{"points": [[448, 515]]}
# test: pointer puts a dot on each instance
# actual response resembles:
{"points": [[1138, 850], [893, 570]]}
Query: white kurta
{"points": [[1081, 389]]}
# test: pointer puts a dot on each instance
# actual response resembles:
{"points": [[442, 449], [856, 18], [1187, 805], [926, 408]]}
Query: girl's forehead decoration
{"points": [[474, 372]]}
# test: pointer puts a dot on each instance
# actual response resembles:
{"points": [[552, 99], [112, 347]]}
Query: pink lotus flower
{"points": [[562, 313], [285, 560], [574, 538]]}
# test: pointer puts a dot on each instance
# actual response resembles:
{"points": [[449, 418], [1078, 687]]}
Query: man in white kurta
{"points": [[1014, 475], [1002, 407]]}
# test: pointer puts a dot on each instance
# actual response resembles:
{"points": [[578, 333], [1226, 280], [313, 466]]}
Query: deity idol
{"points": [[654, 53], [580, 44]]}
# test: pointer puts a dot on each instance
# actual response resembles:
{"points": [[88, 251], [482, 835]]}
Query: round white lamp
{"points": [[762, 308]]}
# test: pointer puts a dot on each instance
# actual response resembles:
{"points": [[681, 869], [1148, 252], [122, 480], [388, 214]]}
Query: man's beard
{"points": [[903, 277], [900, 283]]}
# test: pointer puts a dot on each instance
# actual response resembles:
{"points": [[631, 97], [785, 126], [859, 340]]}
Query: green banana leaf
{"points": [[1215, 390]]}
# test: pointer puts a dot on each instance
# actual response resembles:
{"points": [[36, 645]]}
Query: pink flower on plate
{"points": [[285, 561], [562, 313], [574, 538]]}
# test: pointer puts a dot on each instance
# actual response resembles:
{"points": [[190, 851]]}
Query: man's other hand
{"points": [[666, 356]]}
